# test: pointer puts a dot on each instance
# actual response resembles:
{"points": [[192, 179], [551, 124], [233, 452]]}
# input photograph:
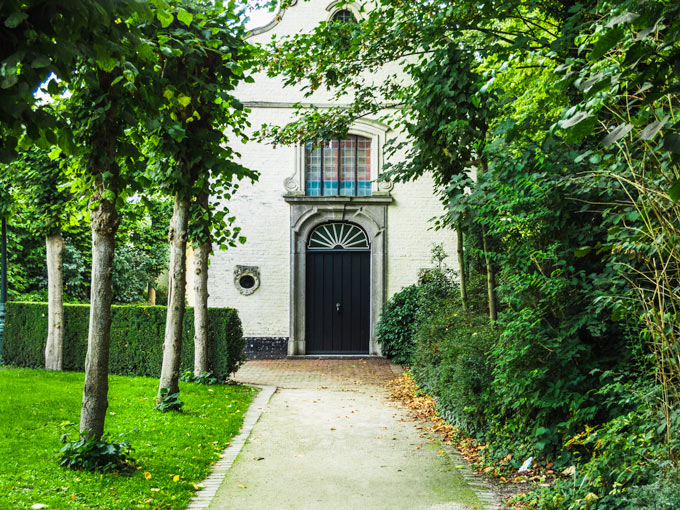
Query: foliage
{"points": [[142, 253], [205, 378], [662, 494], [37, 180], [173, 464], [28, 34], [567, 117], [204, 55], [136, 338], [397, 324], [168, 401], [451, 363], [404, 312], [132, 274], [95, 454]]}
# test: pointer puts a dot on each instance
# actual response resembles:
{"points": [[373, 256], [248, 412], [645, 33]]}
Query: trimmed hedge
{"points": [[136, 338]]}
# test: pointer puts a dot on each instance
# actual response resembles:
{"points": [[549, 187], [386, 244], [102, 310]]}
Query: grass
{"points": [[173, 451]]}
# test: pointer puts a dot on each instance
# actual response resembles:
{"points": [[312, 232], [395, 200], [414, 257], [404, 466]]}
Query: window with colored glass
{"points": [[339, 167]]}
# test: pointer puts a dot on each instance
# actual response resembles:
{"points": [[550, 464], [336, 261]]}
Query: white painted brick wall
{"points": [[264, 216]]}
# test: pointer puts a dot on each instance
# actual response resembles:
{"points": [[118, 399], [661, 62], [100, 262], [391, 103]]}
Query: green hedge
{"points": [[136, 338]]}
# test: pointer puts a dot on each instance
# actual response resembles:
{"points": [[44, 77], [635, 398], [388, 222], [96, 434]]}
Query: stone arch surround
{"points": [[306, 213]]}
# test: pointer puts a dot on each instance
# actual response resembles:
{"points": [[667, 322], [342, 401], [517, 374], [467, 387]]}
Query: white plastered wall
{"points": [[264, 218]]}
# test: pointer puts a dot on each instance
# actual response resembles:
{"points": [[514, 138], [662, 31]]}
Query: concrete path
{"points": [[331, 439]]}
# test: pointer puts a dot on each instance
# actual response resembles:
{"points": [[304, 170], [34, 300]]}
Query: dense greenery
{"points": [[169, 466], [149, 111], [136, 338], [551, 130], [141, 254]]}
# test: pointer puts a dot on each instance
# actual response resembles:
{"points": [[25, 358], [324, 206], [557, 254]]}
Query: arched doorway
{"points": [[337, 290]]}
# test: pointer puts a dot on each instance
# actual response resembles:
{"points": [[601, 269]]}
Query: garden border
{"points": [[203, 498]]}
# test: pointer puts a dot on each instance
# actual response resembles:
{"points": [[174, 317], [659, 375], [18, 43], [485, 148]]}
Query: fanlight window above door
{"points": [[338, 236], [338, 167]]}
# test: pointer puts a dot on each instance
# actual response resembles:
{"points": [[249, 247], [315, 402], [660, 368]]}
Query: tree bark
{"points": [[461, 267], [55, 302], [152, 296], [490, 272], [201, 308], [172, 346], [201, 255], [490, 279], [104, 223]]}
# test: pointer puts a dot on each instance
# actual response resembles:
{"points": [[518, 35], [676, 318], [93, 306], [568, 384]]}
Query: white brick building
{"points": [[322, 255]]}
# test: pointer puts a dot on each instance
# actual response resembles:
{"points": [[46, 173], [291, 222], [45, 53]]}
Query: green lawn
{"points": [[34, 404]]}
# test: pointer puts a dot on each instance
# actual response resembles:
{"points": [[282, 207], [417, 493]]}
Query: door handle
{"points": [[337, 307]]}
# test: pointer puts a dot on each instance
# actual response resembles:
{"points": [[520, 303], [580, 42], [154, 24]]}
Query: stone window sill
{"points": [[375, 199]]}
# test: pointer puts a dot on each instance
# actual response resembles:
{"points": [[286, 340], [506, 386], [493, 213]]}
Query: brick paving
{"points": [[314, 373]]}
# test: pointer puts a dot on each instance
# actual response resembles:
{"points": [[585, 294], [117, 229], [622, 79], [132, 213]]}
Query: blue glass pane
{"points": [[347, 189], [330, 188], [364, 188], [314, 188]]}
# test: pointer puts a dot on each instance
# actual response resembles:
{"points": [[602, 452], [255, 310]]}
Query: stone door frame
{"points": [[306, 213]]}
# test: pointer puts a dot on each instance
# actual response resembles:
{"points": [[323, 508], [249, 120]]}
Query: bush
{"points": [[408, 308], [451, 363], [398, 323], [136, 338], [94, 454]]}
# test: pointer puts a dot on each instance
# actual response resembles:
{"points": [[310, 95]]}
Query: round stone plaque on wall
{"points": [[247, 279]]}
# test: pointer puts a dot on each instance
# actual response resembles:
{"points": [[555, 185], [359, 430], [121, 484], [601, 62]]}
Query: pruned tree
{"points": [[203, 56], [39, 182], [210, 225], [105, 104], [202, 249]]}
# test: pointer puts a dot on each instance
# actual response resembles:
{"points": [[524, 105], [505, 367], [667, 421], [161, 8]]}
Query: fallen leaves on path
{"points": [[424, 409]]}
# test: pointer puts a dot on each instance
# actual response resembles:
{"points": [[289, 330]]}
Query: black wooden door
{"points": [[337, 302]]}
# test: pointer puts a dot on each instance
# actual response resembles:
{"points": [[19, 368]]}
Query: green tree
{"points": [[203, 55], [210, 223], [38, 179], [489, 88]]}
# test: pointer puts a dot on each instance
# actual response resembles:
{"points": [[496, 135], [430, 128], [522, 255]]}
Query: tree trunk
{"points": [[172, 346], [201, 255], [55, 302], [104, 222], [201, 308], [461, 267], [490, 279], [490, 272], [152, 296]]}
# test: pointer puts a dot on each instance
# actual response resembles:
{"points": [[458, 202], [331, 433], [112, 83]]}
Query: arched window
{"points": [[338, 236], [339, 167], [344, 16]]}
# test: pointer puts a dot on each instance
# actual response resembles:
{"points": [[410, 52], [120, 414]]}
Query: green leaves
{"points": [[185, 17], [41, 61], [671, 143], [164, 17], [606, 42], [652, 129], [617, 133], [674, 191], [15, 19]]}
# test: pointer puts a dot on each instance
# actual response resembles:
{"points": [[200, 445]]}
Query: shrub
{"points": [[169, 402], [136, 338], [95, 454], [398, 323], [450, 361], [408, 308]]}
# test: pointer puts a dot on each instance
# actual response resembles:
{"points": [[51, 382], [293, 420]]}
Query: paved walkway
{"points": [[336, 374], [331, 439]]}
